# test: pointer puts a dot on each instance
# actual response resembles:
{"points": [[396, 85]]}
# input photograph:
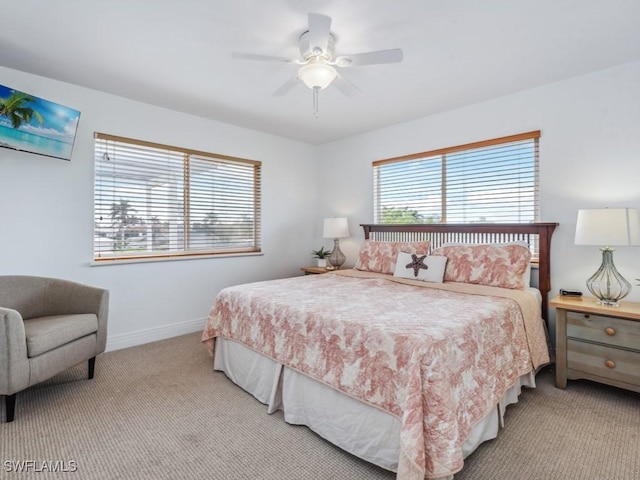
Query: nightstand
{"points": [[314, 270], [597, 342]]}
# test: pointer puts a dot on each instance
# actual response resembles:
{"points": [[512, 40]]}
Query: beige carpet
{"points": [[158, 411]]}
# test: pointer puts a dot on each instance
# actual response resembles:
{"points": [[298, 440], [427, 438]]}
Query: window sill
{"points": [[177, 258]]}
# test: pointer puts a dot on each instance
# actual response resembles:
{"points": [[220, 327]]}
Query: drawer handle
{"points": [[610, 331], [586, 315], [610, 364]]}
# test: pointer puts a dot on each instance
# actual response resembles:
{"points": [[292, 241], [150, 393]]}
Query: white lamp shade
{"points": [[317, 74], [335, 228], [608, 227]]}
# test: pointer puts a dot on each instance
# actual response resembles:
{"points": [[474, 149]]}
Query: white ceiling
{"points": [[177, 54]]}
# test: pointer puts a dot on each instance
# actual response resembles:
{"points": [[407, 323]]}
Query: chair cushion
{"points": [[47, 333]]}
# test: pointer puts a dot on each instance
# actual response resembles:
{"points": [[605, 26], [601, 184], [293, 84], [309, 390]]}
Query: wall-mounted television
{"points": [[32, 124]]}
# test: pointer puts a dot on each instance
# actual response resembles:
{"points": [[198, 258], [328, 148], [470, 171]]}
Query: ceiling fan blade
{"points": [[263, 58], [370, 58], [345, 86], [319, 30], [286, 88]]}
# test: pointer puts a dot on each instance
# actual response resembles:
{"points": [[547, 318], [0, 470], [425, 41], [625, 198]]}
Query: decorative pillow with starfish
{"points": [[428, 268]]}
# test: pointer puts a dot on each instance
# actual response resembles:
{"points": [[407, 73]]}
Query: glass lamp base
{"points": [[336, 257], [607, 285]]}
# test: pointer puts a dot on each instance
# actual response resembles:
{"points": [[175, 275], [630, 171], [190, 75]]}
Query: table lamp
{"points": [[608, 227], [336, 228]]}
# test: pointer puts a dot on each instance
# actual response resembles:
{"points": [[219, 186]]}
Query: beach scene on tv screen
{"points": [[35, 125]]}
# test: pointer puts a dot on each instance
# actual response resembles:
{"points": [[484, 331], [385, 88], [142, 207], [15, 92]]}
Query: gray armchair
{"points": [[47, 325]]}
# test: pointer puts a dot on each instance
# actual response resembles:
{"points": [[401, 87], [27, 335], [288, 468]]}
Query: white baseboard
{"points": [[140, 337]]}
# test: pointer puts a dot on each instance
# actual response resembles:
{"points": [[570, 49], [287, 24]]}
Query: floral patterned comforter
{"points": [[437, 358]]}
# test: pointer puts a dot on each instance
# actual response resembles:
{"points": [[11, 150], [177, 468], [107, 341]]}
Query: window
{"points": [[157, 201], [495, 181]]}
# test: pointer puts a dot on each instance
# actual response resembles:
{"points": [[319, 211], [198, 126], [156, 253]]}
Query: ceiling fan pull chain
{"points": [[315, 101]]}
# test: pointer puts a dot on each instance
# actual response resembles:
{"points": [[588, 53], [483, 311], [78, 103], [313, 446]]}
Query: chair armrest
{"points": [[66, 297], [14, 374]]}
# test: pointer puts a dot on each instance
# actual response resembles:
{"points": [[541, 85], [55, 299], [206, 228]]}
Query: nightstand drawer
{"points": [[602, 329], [607, 362]]}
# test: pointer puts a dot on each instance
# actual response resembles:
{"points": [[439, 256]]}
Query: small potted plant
{"points": [[321, 256]]}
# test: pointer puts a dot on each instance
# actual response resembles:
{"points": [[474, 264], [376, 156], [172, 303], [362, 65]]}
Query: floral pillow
{"points": [[497, 266], [526, 277], [381, 256]]}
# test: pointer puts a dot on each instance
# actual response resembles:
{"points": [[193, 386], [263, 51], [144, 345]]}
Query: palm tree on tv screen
{"points": [[17, 110]]}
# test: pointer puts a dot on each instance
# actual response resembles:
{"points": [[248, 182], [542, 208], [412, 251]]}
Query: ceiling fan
{"points": [[319, 63]]}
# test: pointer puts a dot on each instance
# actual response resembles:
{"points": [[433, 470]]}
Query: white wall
{"points": [[46, 212], [589, 158]]}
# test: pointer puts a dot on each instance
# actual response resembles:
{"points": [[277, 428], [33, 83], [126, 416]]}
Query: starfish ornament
{"points": [[416, 263]]}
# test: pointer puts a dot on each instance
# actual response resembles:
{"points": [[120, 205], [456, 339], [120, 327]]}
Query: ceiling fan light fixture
{"points": [[316, 74], [317, 60]]}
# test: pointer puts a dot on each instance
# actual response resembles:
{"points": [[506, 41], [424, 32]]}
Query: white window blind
{"points": [[153, 200], [494, 181]]}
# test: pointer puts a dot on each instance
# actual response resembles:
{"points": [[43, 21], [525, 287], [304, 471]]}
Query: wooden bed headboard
{"points": [[537, 236]]}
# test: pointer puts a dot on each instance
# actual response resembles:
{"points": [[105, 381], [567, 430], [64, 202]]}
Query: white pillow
{"points": [[433, 273]]}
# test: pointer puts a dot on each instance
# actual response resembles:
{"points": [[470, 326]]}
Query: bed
{"points": [[407, 361]]}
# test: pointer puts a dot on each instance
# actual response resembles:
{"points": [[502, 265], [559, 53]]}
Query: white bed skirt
{"points": [[358, 428]]}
